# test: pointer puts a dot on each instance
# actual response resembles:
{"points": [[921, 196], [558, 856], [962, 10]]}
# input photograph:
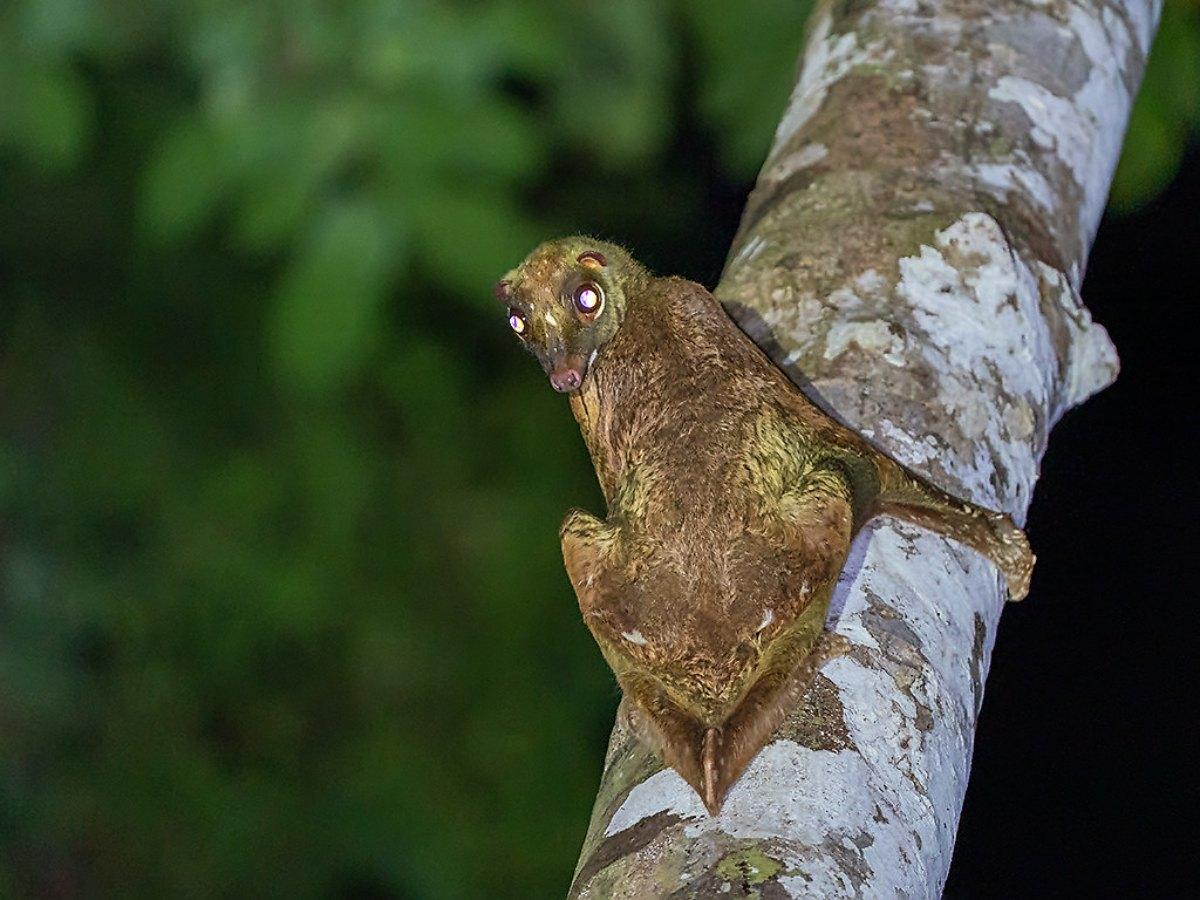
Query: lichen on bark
{"points": [[911, 256]]}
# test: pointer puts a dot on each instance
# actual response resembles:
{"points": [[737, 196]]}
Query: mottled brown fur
{"points": [[732, 503]]}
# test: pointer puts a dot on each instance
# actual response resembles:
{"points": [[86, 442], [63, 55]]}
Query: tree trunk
{"points": [[911, 256]]}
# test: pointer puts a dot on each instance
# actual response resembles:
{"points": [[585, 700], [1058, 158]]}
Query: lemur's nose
{"points": [[565, 380]]}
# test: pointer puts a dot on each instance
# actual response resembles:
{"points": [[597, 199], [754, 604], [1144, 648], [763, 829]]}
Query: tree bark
{"points": [[911, 256]]}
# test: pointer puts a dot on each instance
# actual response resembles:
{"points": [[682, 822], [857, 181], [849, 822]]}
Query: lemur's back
{"points": [[703, 441], [694, 414]]}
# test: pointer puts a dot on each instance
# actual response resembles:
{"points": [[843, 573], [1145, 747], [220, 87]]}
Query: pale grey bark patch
{"points": [[911, 256]]}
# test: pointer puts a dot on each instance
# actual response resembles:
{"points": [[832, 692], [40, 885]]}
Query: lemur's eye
{"points": [[588, 298], [516, 321]]}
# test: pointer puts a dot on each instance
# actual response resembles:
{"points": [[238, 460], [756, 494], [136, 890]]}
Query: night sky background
{"points": [[1082, 779]]}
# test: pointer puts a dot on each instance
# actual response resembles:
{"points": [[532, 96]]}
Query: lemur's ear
{"points": [[592, 259], [502, 289]]}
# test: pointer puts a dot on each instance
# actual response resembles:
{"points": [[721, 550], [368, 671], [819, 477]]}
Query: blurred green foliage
{"points": [[1166, 114], [281, 609]]}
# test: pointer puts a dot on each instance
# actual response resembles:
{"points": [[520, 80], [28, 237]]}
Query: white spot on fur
{"points": [[767, 619], [634, 637], [550, 320]]}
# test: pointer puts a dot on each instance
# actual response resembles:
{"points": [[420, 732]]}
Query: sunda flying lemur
{"points": [[732, 502]]}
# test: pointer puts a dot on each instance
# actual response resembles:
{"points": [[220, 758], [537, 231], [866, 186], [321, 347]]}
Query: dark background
{"points": [[1082, 782], [281, 604]]}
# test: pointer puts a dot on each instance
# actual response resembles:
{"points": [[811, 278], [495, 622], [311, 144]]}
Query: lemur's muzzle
{"points": [[567, 373]]}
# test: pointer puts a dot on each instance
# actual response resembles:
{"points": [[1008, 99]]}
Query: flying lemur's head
{"points": [[566, 301]]}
